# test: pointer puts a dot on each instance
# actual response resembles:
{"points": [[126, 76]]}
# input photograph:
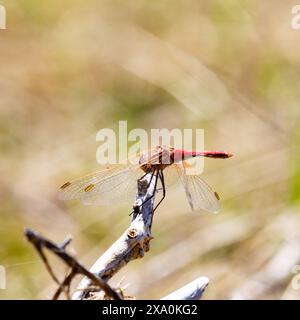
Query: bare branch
{"points": [[65, 286], [40, 242], [191, 291], [132, 244]]}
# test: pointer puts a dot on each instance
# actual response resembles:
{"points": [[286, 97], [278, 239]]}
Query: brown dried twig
{"points": [[39, 242]]}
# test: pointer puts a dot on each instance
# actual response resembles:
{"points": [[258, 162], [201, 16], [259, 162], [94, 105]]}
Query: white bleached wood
{"points": [[132, 244], [191, 291]]}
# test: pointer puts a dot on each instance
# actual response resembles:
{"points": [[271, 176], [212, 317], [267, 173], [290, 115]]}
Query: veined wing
{"points": [[171, 176], [121, 185], [117, 182], [199, 194]]}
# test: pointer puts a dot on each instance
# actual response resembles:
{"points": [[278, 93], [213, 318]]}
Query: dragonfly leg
{"points": [[142, 177], [156, 173], [152, 175], [162, 180]]}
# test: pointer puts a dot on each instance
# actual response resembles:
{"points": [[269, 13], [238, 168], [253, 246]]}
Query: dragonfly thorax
{"points": [[157, 159]]}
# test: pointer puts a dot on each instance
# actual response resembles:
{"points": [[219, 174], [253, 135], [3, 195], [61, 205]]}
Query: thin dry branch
{"points": [[41, 243]]}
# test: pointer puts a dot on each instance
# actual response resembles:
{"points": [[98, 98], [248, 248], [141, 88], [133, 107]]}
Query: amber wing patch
{"points": [[217, 196], [64, 186], [89, 187]]}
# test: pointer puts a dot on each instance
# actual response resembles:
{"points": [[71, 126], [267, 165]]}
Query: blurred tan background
{"points": [[70, 68]]}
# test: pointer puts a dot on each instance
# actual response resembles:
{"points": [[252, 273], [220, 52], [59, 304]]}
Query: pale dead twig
{"points": [[132, 244], [191, 291]]}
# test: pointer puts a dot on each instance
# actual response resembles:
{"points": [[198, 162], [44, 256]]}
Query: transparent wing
{"points": [[119, 187], [171, 176], [113, 183], [199, 194]]}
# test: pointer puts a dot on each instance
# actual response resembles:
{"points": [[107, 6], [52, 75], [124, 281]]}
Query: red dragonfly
{"points": [[167, 164]]}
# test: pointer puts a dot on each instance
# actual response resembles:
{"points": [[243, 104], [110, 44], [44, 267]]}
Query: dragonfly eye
{"points": [[89, 187]]}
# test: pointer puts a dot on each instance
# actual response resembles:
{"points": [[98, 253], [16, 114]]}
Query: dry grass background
{"points": [[70, 68]]}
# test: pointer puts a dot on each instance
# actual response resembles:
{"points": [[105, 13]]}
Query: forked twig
{"points": [[39, 242]]}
